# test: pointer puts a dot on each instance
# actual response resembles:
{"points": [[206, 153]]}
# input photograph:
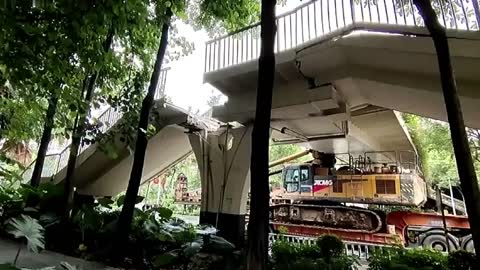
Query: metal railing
{"points": [[361, 250], [318, 18], [54, 163], [447, 200]]}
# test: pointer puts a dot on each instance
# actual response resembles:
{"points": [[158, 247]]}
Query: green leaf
{"points": [[30, 209], [151, 130], [192, 248], [49, 219], [139, 199], [206, 230], [182, 15], [220, 243], [163, 212], [28, 228], [67, 266], [105, 202], [165, 236], [166, 259], [150, 226], [121, 200]]}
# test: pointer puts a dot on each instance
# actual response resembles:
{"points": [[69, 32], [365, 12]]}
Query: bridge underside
{"points": [[393, 71]]}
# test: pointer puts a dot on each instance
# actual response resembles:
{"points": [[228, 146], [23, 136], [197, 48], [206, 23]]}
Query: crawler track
{"points": [[336, 217]]}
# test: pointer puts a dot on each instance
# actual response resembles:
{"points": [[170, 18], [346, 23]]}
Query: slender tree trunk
{"points": [[125, 220], [45, 140], [257, 242], [79, 129], [466, 170]]}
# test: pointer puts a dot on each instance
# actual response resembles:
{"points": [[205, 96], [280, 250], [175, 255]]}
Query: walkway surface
{"points": [[45, 258]]}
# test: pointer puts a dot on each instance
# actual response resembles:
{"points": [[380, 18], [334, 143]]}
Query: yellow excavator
{"points": [[316, 193], [332, 194]]}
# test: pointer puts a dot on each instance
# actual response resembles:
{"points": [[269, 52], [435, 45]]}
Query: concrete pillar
{"points": [[224, 164]]}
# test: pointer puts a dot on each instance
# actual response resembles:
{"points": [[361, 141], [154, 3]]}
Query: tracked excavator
{"points": [[316, 193], [352, 196], [337, 194]]}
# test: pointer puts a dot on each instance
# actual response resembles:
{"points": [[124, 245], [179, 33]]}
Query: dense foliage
{"points": [[433, 142], [55, 49], [328, 252], [156, 241], [409, 259], [52, 51]]}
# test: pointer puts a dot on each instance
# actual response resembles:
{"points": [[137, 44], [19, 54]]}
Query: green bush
{"points": [[330, 247], [309, 251], [407, 259], [283, 251], [462, 260], [303, 264], [424, 259], [326, 253], [155, 237]]}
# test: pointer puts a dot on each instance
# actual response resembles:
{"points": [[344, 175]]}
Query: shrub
{"points": [[302, 263], [155, 236], [308, 251], [407, 259], [326, 253], [283, 251], [330, 246], [462, 260]]}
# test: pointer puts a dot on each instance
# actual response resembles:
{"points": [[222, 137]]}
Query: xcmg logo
{"points": [[323, 182]]}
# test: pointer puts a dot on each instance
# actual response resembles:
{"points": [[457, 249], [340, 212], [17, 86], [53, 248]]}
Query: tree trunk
{"points": [[79, 129], [257, 242], [125, 220], [466, 170], [45, 140]]}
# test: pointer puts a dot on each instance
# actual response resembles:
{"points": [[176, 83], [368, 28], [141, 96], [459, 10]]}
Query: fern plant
{"points": [[29, 229], [67, 266]]}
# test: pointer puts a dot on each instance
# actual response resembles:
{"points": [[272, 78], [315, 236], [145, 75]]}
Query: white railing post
{"points": [[228, 54], [476, 9], [207, 59]]}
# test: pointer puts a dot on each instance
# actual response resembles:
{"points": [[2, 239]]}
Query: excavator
{"points": [[354, 197], [351, 196], [316, 193]]}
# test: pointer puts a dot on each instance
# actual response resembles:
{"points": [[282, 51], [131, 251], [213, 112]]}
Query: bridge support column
{"points": [[224, 164]]}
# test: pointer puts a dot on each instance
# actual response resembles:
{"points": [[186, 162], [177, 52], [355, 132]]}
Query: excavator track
{"points": [[335, 217]]}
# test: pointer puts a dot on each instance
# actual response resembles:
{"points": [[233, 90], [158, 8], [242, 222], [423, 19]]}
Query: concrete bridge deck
{"points": [[372, 53]]}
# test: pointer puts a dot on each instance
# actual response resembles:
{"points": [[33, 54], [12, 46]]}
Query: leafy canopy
{"points": [[434, 145]]}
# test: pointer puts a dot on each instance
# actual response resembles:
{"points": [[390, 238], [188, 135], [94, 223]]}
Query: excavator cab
{"points": [[298, 178]]}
